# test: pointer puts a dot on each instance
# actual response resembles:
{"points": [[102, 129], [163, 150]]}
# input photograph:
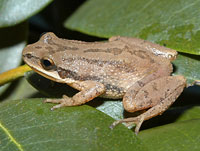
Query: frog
{"points": [[132, 69]]}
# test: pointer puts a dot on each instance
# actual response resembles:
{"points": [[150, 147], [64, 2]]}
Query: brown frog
{"points": [[133, 69]]}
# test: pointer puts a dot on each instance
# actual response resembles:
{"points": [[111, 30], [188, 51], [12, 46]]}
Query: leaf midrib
{"points": [[12, 139]]}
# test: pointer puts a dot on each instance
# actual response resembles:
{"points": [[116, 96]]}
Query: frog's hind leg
{"points": [[156, 95], [88, 91]]}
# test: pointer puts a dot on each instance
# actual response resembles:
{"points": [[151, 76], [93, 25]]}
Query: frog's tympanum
{"points": [[135, 70]]}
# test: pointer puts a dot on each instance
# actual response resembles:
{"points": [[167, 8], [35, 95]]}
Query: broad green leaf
{"points": [[192, 112], [12, 42], [30, 125], [183, 109], [13, 12], [171, 23], [180, 136], [188, 65]]}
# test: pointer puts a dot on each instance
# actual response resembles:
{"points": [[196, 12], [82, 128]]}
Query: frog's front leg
{"points": [[156, 95], [88, 91]]}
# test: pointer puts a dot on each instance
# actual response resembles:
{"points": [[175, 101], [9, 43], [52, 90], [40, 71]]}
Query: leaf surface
{"points": [[188, 66], [13, 12], [13, 40], [171, 23], [180, 136], [31, 125]]}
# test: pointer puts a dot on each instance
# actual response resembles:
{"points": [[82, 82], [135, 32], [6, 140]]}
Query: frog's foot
{"points": [[130, 121], [65, 101]]}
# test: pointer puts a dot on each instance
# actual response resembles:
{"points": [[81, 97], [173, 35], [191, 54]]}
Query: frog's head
{"points": [[41, 57]]}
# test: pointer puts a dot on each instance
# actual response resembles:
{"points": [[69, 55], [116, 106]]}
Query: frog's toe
{"points": [[127, 124], [57, 106], [56, 101], [61, 102], [115, 123], [130, 122]]}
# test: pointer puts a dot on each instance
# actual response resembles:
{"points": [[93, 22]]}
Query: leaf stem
{"points": [[13, 74], [197, 82]]}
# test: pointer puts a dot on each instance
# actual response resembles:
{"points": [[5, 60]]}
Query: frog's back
{"points": [[117, 68], [115, 64]]}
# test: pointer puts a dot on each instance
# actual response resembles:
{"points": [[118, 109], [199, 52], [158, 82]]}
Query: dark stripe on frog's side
{"points": [[63, 73], [115, 51], [110, 87]]}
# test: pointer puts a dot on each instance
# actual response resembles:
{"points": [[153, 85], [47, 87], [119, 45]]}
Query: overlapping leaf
{"points": [[13, 40], [13, 12], [171, 23]]}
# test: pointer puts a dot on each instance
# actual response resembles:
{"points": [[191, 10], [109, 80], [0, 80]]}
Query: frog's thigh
{"points": [[89, 90], [132, 103], [159, 94], [153, 92]]}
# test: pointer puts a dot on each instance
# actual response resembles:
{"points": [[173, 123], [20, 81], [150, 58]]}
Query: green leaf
{"points": [[193, 112], [188, 65], [13, 12], [30, 125], [171, 23], [180, 136], [13, 40]]}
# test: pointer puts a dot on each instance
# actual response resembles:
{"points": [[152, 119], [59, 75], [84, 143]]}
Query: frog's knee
{"points": [[132, 105], [129, 104]]}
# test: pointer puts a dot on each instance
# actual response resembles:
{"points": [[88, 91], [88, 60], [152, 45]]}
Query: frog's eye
{"points": [[47, 63]]}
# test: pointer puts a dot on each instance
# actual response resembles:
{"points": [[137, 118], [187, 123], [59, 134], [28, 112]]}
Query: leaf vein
{"points": [[179, 11], [12, 139]]}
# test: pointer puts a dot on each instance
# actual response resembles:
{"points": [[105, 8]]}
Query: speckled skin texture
{"points": [[133, 69]]}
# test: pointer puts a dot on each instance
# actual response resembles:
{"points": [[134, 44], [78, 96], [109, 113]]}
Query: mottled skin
{"points": [[133, 69]]}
